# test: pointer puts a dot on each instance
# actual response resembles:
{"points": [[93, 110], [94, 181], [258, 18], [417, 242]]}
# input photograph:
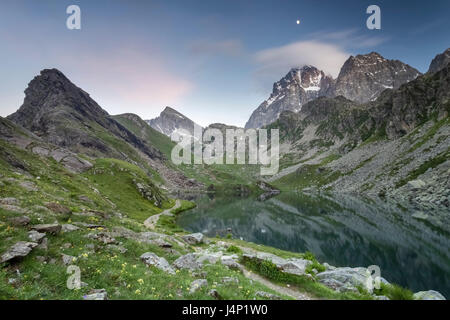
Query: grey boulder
{"points": [[151, 259], [96, 294], [193, 238], [47, 228], [428, 295], [197, 284], [35, 236], [347, 279], [188, 261], [267, 296], [67, 260], [69, 228], [20, 221], [18, 250]]}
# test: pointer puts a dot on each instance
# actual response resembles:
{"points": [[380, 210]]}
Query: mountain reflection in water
{"points": [[340, 230]]}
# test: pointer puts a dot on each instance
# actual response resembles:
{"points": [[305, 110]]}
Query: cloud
{"points": [[349, 38], [327, 57], [230, 47], [325, 50]]}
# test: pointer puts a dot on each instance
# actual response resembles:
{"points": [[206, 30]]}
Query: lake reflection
{"points": [[340, 230]]}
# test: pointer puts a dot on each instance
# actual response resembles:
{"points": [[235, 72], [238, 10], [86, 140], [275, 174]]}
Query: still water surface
{"points": [[340, 230]]}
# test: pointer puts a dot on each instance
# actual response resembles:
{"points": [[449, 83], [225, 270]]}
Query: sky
{"points": [[212, 60]]}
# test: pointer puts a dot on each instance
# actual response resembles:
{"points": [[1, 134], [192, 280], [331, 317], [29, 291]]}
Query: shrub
{"points": [[234, 249], [394, 292]]}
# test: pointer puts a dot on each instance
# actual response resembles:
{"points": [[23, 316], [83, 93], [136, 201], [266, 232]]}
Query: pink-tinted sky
{"points": [[214, 61]]}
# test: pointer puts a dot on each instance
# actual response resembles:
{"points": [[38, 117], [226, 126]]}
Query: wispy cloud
{"points": [[327, 57], [325, 50], [348, 38]]}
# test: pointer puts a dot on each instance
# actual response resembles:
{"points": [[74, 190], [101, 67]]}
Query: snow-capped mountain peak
{"points": [[297, 87]]}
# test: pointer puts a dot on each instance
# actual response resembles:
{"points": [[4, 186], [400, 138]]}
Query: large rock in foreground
{"points": [[348, 279], [292, 265], [19, 250]]}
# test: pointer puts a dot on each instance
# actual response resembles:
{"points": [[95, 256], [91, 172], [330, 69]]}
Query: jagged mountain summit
{"points": [[298, 87], [395, 146], [440, 61], [362, 78], [170, 120], [59, 113], [62, 114]]}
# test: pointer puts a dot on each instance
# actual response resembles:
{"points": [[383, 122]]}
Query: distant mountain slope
{"points": [[142, 130], [362, 78], [440, 61], [14, 135], [170, 120]]}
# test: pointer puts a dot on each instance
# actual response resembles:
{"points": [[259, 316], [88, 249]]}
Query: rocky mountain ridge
{"points": [[440, 61], [299, 86], [362, 78], [62, 114], [65, 115], [397, 145]]}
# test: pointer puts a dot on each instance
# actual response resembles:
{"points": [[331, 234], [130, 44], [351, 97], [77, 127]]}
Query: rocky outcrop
{"points": [[428, 295], [292, 265], [96, 294], [194, 238], [20, 221], [348, 279], [26, 140], [17, 251], [188, 261], [440, 61], [151, 259], [35, 236], [53, 228]]}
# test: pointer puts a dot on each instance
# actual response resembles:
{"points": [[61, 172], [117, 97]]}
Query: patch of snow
{"points": [[312, 88]]}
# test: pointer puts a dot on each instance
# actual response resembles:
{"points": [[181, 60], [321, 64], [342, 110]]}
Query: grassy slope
{"points": [[147, 133], [308, 176], [124, 276], [110, 188], [312, 176]]}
